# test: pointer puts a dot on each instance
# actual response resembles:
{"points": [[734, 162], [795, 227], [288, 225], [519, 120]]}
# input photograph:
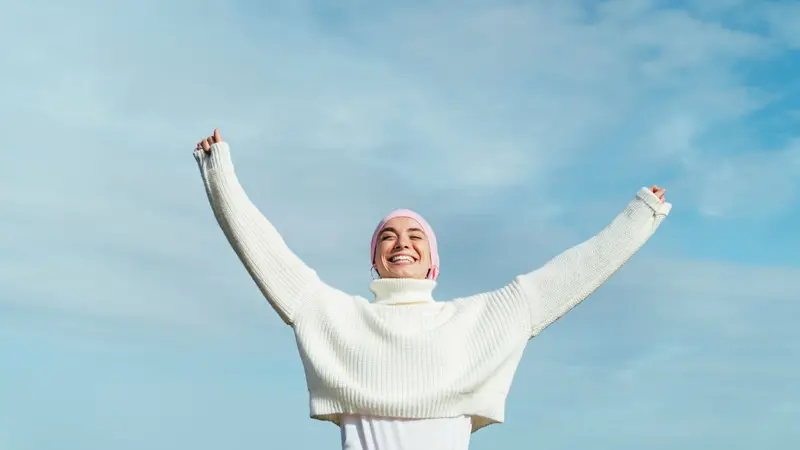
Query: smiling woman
{"points": [[404, 371], [404, 246]]}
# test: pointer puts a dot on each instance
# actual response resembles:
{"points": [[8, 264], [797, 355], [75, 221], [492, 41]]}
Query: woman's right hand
{"points": [[206, 143]]}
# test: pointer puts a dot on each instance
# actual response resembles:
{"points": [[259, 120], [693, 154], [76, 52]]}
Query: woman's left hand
{"points": [[659, 192]]}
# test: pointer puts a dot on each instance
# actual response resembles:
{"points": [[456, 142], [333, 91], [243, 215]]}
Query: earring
{"points": [[373, 273]]}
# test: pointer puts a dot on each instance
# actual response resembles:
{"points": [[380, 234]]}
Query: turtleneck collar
{"points": [[397, 291]]}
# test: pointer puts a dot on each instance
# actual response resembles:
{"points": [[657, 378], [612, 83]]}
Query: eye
{"points": [[416, 237]]}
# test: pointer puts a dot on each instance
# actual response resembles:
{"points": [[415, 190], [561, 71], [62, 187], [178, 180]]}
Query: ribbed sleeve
{"points": [[572, 276], [282, 277]]}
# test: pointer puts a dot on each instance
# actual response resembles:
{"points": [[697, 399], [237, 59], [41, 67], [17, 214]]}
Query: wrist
{"points": [[217, 158]]}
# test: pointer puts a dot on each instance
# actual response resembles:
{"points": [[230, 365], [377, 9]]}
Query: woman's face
{"points": [[402, 250]]}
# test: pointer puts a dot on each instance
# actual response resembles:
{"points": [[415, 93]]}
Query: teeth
{"points": [[401, 258]]}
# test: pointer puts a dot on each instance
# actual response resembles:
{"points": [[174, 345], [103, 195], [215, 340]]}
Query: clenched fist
{"points": [[659, 192], [206, 143]]}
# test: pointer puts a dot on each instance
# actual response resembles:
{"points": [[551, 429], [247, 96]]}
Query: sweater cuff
{"points": [[217, 159], [651, 199]]}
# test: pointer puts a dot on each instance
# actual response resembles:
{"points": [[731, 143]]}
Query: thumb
{"points": [[217, 136]]}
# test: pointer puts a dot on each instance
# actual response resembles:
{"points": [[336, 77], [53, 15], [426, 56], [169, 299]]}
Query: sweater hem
{"points": [[329, 408]]}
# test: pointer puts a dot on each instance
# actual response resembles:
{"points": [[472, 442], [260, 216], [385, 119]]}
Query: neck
{"points": [[402, 291]]}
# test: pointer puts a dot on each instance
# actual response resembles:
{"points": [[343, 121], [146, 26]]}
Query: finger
{"points": [[206, 146], [211, 140], [217, 135]]}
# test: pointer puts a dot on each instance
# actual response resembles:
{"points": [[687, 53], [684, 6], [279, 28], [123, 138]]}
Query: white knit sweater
{"points": [[435, 359]]}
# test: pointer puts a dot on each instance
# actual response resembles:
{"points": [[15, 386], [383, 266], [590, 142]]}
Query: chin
{"points": [[409, 274], [406, 273]]}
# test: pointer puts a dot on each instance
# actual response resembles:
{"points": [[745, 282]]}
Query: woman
{"points": [[403, 371]]}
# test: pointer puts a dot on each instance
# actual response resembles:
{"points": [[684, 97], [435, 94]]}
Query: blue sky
{"points": [[517, 128]]}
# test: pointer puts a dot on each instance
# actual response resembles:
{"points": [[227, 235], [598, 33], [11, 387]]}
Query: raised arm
{"points": [[572, 276], [282, 277]]}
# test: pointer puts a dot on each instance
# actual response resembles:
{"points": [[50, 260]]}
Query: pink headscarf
{"points": [[434, 272]]}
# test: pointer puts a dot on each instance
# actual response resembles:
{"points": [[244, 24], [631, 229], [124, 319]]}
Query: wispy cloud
{"points": [[337, 115], [782, 18], [758, 183]]}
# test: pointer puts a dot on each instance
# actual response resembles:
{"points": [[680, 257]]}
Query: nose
{"points": [[402, 242]]}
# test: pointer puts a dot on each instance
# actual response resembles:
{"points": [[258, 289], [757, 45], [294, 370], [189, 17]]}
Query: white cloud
{"points": [[783, 18], [749, 185], [450, 111]]}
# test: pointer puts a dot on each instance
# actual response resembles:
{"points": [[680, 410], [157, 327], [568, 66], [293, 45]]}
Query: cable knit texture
{"points": [[403, 354]]}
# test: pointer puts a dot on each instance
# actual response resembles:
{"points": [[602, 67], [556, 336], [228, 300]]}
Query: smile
{"points": [[399, 259]]}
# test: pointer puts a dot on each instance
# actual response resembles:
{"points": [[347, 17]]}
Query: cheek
{"points": [[382, 249], [424, 250]]}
